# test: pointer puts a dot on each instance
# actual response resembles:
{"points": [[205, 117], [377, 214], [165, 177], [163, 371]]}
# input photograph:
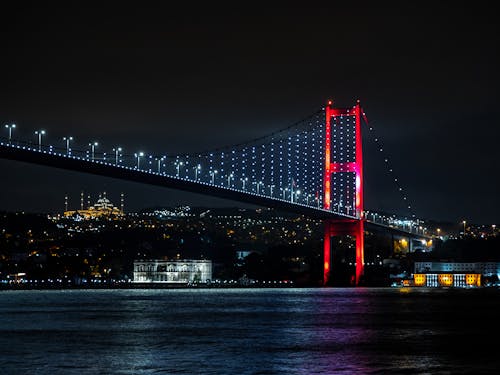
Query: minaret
{"points": [[88, 201], [122, 203], [66, 203], [81, 201]]}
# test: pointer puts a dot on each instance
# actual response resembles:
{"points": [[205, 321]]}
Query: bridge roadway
{"points": [[97, 167]]}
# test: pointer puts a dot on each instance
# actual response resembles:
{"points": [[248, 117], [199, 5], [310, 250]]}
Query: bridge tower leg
{"points": [[335, 227]]}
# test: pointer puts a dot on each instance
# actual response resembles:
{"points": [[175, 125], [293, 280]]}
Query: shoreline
{"points": [[150, 286]]}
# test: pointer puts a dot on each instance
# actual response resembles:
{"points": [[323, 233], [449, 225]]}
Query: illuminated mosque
{"points": [[102, 208]]}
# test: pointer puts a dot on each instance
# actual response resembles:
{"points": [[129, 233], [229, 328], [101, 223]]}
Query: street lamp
{"points": [[117, 150], [292, 193], [67, 139], [138, 156], [39, 133], [464, 222], [284, 193], [92, 149], [229, 177], [243, 180], [178, 165], [196, 170], [159, 163], [10, 127], [258, 184], [213, 173], [271, 190]]}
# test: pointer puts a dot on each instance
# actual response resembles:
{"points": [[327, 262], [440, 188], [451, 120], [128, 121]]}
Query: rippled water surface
{"points": [[250, 331]]}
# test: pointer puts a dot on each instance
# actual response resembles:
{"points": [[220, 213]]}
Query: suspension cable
{"points": [[388, 165]]}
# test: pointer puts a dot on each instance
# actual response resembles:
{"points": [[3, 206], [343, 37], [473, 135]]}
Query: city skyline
{"points": [[168, 80]]}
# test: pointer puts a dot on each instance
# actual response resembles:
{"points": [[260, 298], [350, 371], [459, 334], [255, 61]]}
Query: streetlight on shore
{"points": [[464, 222]]}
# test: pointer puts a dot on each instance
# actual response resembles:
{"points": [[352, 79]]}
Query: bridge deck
{"points": [[75, 163]]}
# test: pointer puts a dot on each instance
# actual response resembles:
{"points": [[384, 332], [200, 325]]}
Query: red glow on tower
{"points": [[347, 226]]}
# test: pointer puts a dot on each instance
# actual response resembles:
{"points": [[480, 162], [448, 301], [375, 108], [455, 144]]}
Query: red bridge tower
{"points": [[348, 226]]}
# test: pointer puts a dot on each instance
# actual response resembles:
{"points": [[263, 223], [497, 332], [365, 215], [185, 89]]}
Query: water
{"points": [[250, 331]]}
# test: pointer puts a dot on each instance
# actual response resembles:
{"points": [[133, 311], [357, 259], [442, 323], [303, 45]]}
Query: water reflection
{"points": [[246, 331]]}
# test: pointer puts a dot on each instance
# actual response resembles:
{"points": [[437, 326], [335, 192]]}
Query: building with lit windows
{"points": [[460, 280], [184, 271], [483, 268], [454, 274]]}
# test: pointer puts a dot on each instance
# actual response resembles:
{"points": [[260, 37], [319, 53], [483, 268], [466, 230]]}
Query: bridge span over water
{"points": [[312, 168]]}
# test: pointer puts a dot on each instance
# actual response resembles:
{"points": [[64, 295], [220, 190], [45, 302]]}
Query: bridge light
{"points": [[229, 177], [213, 173], [39, 133], [271, 190], [297, 193], [92, 149], [138, 155], [67, 139], [178, 165], [258, 185], [243, 180], [10, 128], [159, 163], [196, 170], [117, 150]]}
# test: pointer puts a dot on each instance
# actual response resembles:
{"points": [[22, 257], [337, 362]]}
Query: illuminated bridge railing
{"points": [[172, 167]]}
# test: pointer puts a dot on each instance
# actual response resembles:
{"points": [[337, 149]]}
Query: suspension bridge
{"points": [[313, 167]]}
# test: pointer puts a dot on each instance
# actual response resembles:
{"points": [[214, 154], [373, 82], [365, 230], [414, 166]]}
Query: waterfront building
{"points": [[183, 271], [483, 268], [454, 274], [461, 280]]}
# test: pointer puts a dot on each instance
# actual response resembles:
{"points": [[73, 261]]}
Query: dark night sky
{"points": [[167, 79]]}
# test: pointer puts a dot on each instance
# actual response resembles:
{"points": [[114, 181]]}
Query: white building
{"points": [[483, 268], [173, 271]]}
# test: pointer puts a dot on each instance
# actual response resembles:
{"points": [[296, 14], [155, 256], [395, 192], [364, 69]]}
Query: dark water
{"points": [[250, 331]]}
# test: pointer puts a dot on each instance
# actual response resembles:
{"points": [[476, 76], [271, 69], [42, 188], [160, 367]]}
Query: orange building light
{"points": [[445, 279], [419, 279]]}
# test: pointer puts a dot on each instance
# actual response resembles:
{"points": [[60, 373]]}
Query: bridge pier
{"points": [[333, 228]]}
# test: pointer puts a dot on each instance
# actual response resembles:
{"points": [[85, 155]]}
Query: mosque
{"points": [[102, 208]]}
